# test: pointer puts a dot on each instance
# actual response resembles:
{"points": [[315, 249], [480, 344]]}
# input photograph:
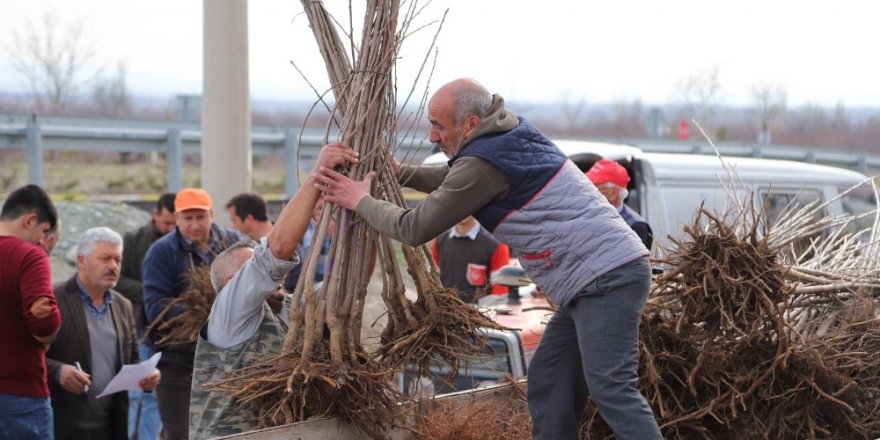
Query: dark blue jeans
{"points": [[25, 418], [146, 404], [591, 348]]}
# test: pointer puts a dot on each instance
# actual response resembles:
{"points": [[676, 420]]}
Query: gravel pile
{"points": [[76, 217]]}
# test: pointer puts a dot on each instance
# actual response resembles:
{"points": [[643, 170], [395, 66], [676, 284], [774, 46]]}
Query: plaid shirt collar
{"points": [[90, 305], [213, 245]]}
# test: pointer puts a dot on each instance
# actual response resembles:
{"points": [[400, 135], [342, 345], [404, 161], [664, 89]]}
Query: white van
{"points": [[667, 189]]}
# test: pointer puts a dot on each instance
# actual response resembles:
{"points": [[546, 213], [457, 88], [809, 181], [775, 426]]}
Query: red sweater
{"points": [[25, 276]]}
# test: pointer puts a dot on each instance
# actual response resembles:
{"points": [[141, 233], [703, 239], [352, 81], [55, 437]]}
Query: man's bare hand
{"points": [[150, 382], [73, 380], [41, 308], [340, 189], [276, 300], [333, 155]]}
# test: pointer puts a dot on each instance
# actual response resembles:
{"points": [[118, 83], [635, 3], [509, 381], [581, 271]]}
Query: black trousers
{"points": [[102, 433], [173, 393]]}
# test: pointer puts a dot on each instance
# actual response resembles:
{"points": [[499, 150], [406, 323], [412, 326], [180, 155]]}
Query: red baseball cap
{"points": [[608, 171]]}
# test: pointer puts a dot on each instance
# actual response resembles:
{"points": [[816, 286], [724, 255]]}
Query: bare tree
{"points": [[55, 60], [627, 118], [110, 95], [700, 96], [770, 103], [573, 111]]}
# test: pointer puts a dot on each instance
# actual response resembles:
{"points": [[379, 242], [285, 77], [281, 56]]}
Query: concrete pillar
{"points": [[34, 139], [226, 111]]}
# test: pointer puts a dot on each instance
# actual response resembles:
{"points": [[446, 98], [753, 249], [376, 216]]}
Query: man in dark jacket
{"points": [[96, 339], [144, 412], [611, 180], [194, 242], [571, 242], [136, 244]]}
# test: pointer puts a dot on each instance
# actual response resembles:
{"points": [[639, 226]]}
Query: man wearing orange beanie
{"points": [[194, 242]]}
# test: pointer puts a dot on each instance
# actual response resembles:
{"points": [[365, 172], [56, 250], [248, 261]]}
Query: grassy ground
{"points": [[73, 177], [69, 177]]}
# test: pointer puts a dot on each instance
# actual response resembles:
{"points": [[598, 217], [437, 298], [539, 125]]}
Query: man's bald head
{"points": [[466, 97], [455, 110]]}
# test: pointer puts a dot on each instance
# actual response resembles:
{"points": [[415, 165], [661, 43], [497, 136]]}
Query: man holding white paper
{"points": [[98, 334]]}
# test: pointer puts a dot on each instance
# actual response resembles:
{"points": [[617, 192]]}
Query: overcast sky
{"points": [[821, 52]]}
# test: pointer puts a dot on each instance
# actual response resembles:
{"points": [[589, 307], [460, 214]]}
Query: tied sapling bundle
{"points": [[323, 368], [195, 305]]}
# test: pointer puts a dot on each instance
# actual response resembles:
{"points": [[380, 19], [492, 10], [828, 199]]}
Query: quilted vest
{"points": [[564, 231]]}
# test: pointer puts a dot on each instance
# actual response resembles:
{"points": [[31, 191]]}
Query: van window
{"points": [[683, 199], [488, 367], [860, 201], [779, 201]]}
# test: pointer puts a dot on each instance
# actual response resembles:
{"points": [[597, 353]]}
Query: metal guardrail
{"points": [[862, 162], [35, 135], [300, 147]]}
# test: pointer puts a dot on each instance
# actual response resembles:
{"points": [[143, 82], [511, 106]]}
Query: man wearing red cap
{"points": [[194, 242], [611, 179]]}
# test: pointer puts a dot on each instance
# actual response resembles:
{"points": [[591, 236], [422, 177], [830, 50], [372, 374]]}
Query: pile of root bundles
{"points": [[744, 338], [733, 344]]}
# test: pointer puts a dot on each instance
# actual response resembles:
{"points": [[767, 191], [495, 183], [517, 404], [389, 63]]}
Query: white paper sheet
{"points": [[128, 377]]}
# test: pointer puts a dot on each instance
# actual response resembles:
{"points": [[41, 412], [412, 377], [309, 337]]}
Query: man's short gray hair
{"points": [[622, 193], [470, 99], [88, 241], [227, 263]]}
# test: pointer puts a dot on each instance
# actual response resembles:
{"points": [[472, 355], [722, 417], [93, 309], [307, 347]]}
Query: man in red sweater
{"points": [[29, 316]]}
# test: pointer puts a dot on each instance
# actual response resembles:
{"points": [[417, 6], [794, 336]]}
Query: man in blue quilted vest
{"points": [[571, 241]]}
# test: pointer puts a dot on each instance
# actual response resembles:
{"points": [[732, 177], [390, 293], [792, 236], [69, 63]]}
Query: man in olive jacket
{"points": [[96, 339]]}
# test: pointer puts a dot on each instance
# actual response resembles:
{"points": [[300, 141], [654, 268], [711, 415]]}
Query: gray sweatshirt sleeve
{"points": [[424, 178], [238, 310], [470, 184]]}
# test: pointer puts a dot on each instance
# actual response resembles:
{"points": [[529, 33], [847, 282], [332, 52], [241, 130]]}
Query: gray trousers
{"points": [[591, 348]]}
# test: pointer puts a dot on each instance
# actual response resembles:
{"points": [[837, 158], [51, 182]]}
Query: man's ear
{"points": [[29, 221], [471, 124], [227, 279]]}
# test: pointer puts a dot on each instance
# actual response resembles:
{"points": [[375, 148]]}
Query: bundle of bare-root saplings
{"points": [[323, 368], [192, 308]]}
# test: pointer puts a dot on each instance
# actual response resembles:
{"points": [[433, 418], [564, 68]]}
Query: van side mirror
{"points": [[513, 277]]}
